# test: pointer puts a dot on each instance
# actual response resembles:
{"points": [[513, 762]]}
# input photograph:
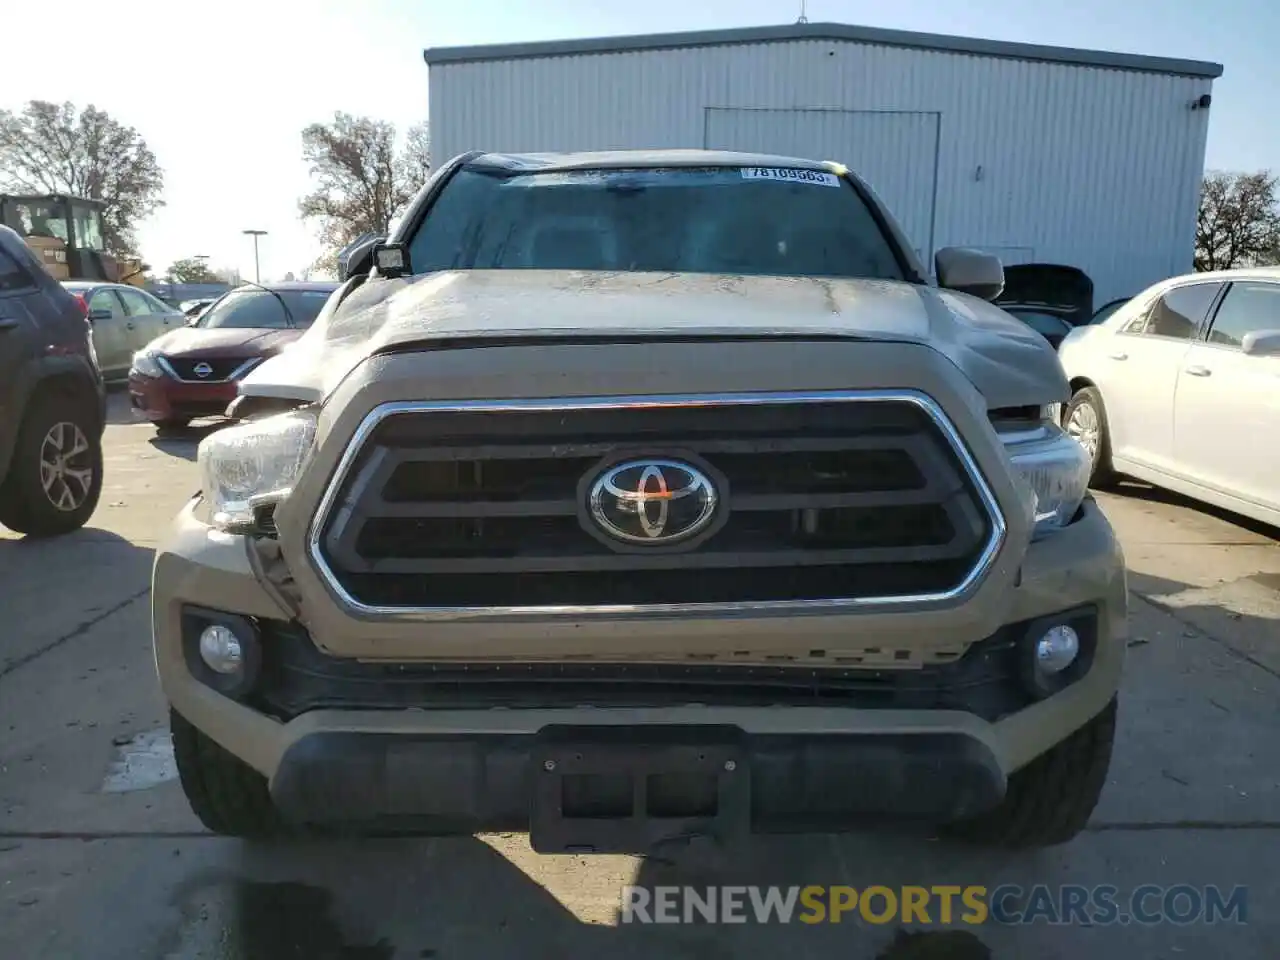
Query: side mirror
{"points": [[969, 271], [96, 315], [1261, 343], [357, 260]]}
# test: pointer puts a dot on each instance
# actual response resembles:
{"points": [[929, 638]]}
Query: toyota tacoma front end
{"points": [[616, 557]]}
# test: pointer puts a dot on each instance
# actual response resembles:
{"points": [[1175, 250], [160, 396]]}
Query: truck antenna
{"points": [[803, 17]]}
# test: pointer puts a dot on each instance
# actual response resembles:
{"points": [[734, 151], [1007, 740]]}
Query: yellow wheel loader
{"points": [[66, 234]]}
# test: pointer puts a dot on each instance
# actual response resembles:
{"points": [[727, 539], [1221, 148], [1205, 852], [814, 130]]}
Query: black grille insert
{"points": [[296, 678], [478, 508], [220, 368]]}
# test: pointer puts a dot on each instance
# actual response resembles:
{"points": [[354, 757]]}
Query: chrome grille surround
{"points": [[986, 500]]}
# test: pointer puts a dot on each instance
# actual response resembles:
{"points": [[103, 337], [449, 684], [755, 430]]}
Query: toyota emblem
{"points": [[656, 502], [202, 370]]}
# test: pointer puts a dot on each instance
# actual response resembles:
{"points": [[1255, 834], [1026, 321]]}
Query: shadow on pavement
{"points": [[184, 442], [461, 898], [1159, 588], [56, 555], [1137, 490], [1244, 619], [54, 589]]}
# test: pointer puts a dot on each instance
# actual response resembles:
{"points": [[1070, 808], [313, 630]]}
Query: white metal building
{"points": [[1039, 154]]}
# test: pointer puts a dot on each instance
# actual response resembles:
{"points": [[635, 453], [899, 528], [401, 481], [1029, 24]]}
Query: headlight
{"points": [[252, 461], [1056, 468], [144, 362]]}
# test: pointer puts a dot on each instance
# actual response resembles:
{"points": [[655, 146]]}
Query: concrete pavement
{"points": [[100, 857]]}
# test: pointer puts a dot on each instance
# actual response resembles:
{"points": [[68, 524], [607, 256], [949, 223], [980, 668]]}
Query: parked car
{"points": [[123, 320], [632, 496], [193, 371], [1180, 387], [52, 403], [193, 308], [1051, 298]]}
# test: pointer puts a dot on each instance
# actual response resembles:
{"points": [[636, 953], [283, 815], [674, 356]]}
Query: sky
{"points": [[221, 95]]}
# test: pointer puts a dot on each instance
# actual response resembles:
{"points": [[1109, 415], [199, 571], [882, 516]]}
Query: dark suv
{"points": [[52, 403]]}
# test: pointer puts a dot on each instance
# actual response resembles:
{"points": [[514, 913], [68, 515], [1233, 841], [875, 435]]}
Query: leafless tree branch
{"points": [[55, 148], [1238, 223], [361, 181]]}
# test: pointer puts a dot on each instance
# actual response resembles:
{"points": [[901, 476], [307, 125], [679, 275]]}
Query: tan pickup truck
{"points": [[630, 497]]}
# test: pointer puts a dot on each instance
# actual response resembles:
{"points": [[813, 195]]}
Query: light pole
{"points": [[257, 275]]}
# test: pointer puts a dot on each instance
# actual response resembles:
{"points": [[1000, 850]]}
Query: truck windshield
{"points": [[88, 227], [732, 220], [41, 218]]}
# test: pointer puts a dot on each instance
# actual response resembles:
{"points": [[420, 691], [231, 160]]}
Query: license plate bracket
{"points": [[620, 790]]}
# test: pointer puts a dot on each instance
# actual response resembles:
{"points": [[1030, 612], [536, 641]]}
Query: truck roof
{"points": [[56, 197], [631, 159]]}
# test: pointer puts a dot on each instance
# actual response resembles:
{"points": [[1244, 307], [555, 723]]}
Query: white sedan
{"points": [[1180, 387]]}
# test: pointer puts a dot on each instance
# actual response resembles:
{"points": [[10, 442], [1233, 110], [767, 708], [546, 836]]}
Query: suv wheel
{"points": [[229, 796], [1085, 418], [1050, 800], [55, 476]]}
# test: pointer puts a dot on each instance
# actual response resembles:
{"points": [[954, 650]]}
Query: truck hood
{"points": [[1010, 364]]}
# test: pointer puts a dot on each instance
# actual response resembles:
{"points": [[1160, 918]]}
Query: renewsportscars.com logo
{"points": [[946, 905]]}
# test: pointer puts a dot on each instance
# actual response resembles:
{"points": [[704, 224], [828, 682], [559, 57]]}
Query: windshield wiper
{"points": [[288, 314]]}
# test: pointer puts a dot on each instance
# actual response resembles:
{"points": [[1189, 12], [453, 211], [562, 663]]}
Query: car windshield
{"points": [[258, 308], [735, 220]]}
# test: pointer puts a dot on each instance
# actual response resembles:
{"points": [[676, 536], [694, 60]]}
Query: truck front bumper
{"points": [[623, 789], [463, 768]]}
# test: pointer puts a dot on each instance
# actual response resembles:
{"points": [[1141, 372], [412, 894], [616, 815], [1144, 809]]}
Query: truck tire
{"points": [[55, 475], [229, 796], [1050, 800], [1085, 418]]}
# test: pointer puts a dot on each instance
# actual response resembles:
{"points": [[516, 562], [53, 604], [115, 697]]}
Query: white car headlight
{"points": [[1056, 468], [144, 362], [253, 461]]}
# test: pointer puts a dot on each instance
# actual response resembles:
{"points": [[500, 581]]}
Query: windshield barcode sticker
{"points": [[789, 175]]}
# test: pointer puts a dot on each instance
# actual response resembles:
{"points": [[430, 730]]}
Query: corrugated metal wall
{"points": [[895, 151], [1084, 165]]}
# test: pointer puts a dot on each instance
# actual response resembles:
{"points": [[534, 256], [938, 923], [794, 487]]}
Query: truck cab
{"points": [[66, 234]]}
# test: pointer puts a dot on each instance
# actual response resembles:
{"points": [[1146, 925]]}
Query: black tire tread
{"points": [[228, 796], [1050, 800], [20, 498], [1103, 474]]}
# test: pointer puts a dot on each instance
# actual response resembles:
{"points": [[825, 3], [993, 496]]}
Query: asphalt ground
{"points": [[101, 858]]}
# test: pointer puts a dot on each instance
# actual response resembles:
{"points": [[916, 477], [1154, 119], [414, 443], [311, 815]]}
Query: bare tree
{"points": [[417, 156], [54, 148], [1238, 223], [362, 181]]}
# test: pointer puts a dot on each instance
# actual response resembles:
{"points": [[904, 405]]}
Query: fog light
{"points": [[1057, 650], [220, 649]]}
